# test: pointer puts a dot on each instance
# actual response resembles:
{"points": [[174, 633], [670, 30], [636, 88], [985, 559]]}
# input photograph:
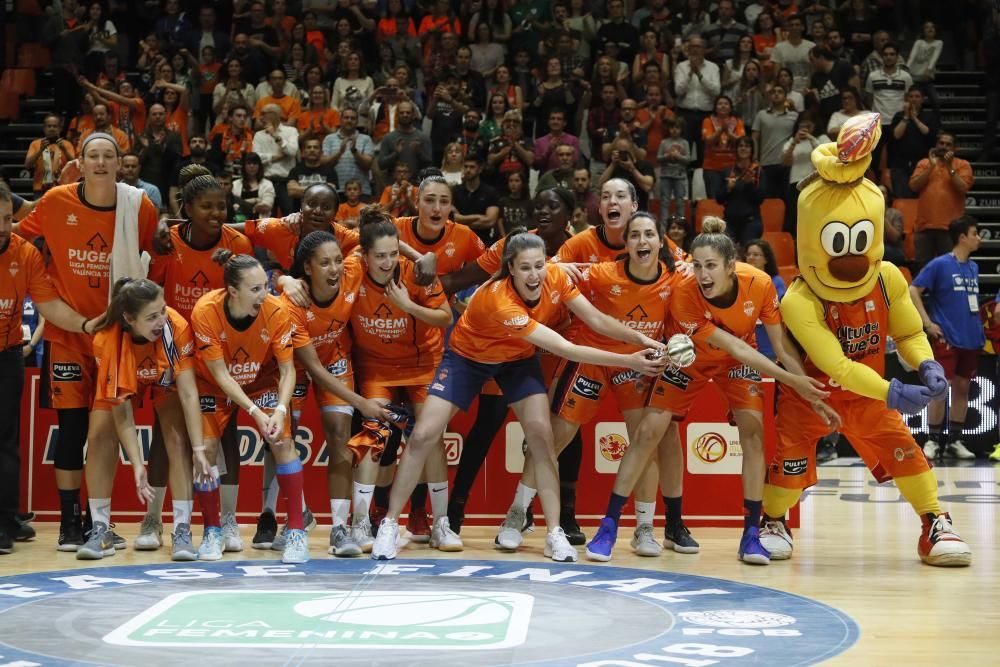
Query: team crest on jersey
{"points": [[187, 350], [594, 259], [265, 335], [554, 297], [869, 306], [71, 219], [349, 298], [665, 294], [748, 308], [203, 338], [616, 290], [310, 316], [14, 268], [450, 249], [362, 291]]}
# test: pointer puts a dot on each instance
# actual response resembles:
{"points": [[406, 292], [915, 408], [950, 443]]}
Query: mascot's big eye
{"points": [[862, 235], [836, 239]]}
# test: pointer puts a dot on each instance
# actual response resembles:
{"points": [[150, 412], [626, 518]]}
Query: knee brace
{"points": [[73, 425], [570, 459]]}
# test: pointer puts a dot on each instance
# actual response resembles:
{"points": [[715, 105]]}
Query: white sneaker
{"points": [[777, 539], [558, 548], [931, 449], [958, 449], [296, 547], [511, 530], [150, 536], [361, 532], [211, 544], [385, 546], [231, 540], [643, 541], [443, 538]]}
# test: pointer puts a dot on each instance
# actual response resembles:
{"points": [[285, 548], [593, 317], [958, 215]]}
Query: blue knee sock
{"points": [[615, 505]]}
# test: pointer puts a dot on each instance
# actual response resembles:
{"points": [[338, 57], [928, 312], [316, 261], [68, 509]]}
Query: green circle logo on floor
{"points": [[408, 612]]}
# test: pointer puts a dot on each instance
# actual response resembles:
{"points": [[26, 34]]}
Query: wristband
{"points": [[282, 409], [83, 325], [252, 409]]}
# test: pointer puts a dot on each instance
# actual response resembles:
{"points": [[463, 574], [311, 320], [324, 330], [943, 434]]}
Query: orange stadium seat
{"points": [[33, 55], [788, 274], [18, 81], [706, 207], [784, 247], [10, 107], [772, 212], [908, 207]]}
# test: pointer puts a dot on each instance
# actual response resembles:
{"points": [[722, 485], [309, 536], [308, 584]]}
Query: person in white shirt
{"points": [[923, 61], [697, 82], [797, 156], [793, 53], [886, 90], [278, 147]]}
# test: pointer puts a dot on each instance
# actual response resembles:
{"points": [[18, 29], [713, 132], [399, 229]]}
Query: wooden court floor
{"points": [[855, 550]]}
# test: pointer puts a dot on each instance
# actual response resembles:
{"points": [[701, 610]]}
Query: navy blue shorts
{"points": [[459, 380]]}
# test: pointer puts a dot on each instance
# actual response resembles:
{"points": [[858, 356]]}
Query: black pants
{"points": [[281, 199], [11, 387]]}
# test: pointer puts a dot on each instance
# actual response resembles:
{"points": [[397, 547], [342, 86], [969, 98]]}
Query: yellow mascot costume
{"points": [[840, 312]]}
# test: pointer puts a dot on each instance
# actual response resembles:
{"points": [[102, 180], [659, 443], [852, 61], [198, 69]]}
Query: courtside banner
{"points": [[712, 485]]}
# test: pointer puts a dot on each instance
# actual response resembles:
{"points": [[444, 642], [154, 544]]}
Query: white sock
{"points": [[362, 498], [182, 512], [524, 495], [439, 498], [100, 510], [339, 507], [644, 513], [154, 508], [228, 495], [271, 496]]}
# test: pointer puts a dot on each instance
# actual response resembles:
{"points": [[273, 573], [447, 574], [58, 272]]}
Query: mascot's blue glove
{"points": [[932, 375], [908, 398]]}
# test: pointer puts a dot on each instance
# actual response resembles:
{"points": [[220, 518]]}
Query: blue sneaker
{"points": [[296, 547], [600, 547], [751, 550]]}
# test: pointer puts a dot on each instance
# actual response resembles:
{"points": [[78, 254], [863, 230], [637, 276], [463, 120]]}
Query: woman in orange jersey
{"points": [[142, 343], [718, 306], [496, 338], [634, 290], [242, 333], [322, 344], [186, 274], [398, 343]]}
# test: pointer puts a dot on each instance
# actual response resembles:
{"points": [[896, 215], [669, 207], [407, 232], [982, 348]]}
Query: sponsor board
{"points": [[713, 449], [610, 444]]}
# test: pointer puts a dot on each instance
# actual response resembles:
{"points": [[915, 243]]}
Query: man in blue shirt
{"points": [[950, 284]]}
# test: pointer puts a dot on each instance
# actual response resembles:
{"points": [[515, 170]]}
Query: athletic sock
{"points": [[615, 505], [209, 501], [439, 498], [935, 432], [672, 510], [921, 491], [524, 495], [751, 513], [154, 508], [182, 512], [955, 430], [228, 493], [339, 508], [271, 496], [363, 498], [382, 496], [644, 513], [100, 510], [290, 480], [418, 499], [69, 505]]}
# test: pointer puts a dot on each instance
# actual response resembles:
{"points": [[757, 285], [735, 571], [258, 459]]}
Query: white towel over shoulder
{"points": [[126, 258]]}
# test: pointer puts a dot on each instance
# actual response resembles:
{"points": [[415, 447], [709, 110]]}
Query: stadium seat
{"points": [[34, 55], [18, 81], [784, 247], [788, 274], [10, 107], [908, 207], [772, 212], [906, 274], [706, 207]]}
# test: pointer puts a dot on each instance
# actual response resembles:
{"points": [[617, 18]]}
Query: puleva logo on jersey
{"points": [[587, 388], [66, 372]]}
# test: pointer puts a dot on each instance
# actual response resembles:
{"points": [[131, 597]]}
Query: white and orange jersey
{"points": [[592, 246], [455, 246], [274, 235]]}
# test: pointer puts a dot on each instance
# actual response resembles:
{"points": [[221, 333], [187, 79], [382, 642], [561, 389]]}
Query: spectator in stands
{"points": [[895, 252], [206, 34], [942, 179], [693, 19], [950, 283], [277, 145], [472, 142], [476, 82], [407, 143], [722, 36], [516, 207], [629, 126], [309, 171], [626, 164], [840, 51], [288, 106], [504, 85], [673, 157], [172, 26], [829, 77], [619, 31], [649, 52], [793, 53], [47, 156], [741, 195], [445, 110], [260, 35], [231, 140], [603, 122], [887, 86], [130, 176], [771, 130], [438, 21], [253, 188], [751, 92], [732, 68], [586, 199], [451, 165], [562, 174], [102, 37], [914, 132], [349, 211], [794, 99], [350, 152], [381, 107], [653, 116], [493, 14], [159, 150], [400, 197], [873, 60], [554, 92], [475, 203], [859, 25], [797, 156], [232, 91], [254, 64], [102, 123], [922, 62], [697, 83], [759, 254], [66, 36], [679, 231], [765, 36], [851, 105], [317, 117], [719, 133], [511, 151], [547, 145], [199, 154], [489, 128]]}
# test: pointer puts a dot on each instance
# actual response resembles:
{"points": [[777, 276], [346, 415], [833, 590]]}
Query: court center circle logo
{"points": [[432, 613]]}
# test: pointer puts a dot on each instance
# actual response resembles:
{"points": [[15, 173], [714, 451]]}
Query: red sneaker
{"points": [[419, 526], [939, 543]]}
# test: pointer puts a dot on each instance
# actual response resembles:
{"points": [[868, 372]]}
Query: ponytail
{"points": [[374, 223], [233, 266], [713, 235], [129, 297]]}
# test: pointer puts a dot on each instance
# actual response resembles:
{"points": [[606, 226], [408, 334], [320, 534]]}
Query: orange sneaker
{"points": [[940, 545]]}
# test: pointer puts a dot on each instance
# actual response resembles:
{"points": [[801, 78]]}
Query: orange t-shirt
{"points": [[124, 143], [454, 247], [80, 124], [348, 211], [409, 196], [57, 160], [188, 272], [290, 107], [130, 121], [656, 131], [79, 237], [591, 246], [313, 121], [390, 343], [125, 368], [23, 263], [641, 306], [177, 121], [723, 154], [694, 315], [326, 326], [209, 77], [940, 201], [494, 326], [247, 352], [274, 236]]}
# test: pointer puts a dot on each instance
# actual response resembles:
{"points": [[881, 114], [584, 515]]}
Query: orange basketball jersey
{"points": [[23, 263], [454, 247], [591, 246], [274, 236]]}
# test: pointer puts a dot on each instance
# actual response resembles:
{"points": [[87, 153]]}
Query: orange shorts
{"points": [[412, 384], [216, 411], [578, 389], [879, 435], [155, 393], [68, 378], [327, 402], [676, 389]]}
